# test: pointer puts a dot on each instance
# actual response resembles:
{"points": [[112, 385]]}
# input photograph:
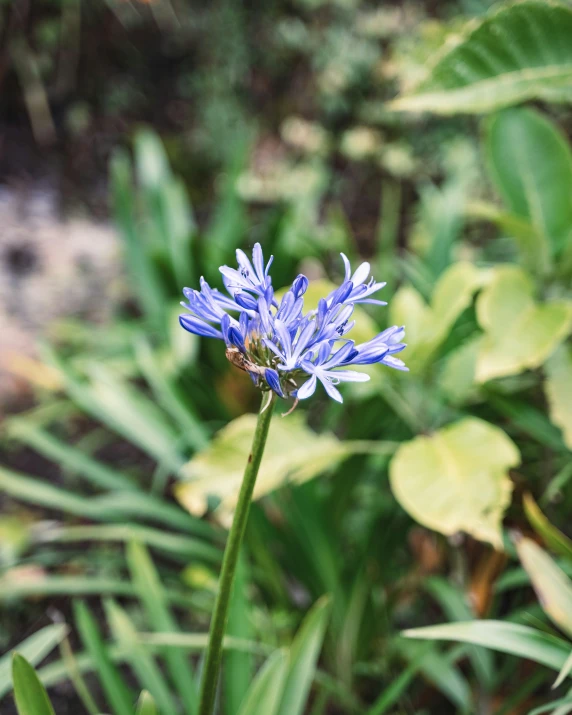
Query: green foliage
{"points": [[519, 52], [30, 695], [137, 415], [531, 165], [519, 333], [456, 480]]}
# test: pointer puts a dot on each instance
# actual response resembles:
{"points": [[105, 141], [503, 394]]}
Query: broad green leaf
{"points": [[264, 694], [303, 657], [456, 479], [516, 53], [552, 586], [428, 325], [558, 387], [294, 453], [519, 333], [152, 595], [146, 704], [30, 695], [502, 636], [34, 649], [554, 538], [531, 164], [115, 690]]}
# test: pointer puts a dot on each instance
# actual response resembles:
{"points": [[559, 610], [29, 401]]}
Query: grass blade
{"points": [[265, 692], [112, 684], [303, 658], [510, 638], [34, 649], [150, 591], [146, 704], [139, 658], [30, 695]]}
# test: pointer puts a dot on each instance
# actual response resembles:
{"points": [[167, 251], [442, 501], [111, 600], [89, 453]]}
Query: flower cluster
{"points": [[281, 347]]}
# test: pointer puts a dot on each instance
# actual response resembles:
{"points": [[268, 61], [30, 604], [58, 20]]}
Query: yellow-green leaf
{"points": [[457, 379], [427, 326], [520, 334], [516, 53], [558, 387], [456, 479], [293, 453], [552, 586]]}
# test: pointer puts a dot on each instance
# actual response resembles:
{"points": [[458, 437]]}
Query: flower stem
{"points": [[230, 558]]}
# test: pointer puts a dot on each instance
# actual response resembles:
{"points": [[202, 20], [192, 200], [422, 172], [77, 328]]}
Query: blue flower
{"points": [[282, 348], [322, 368], [247, 277]]}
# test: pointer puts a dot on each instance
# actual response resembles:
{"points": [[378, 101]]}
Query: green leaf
{"points": [[293, 453], [122, 408], [146, 704], [111, 681], [564, 673], [30, 695], [457, 378], [67, 456], [34, 649], [531, 164], [265, 692], [552, 586], [502, 636], [456, 480], [444, 675], [142, 662], [519, 333], [554, 538], [144, 272], [151, 593], [238, 667], [456, 608], [107, 507], [428, 325], [303, 658], [178, 545], [516, 53], [562, 706], [558, 388]]}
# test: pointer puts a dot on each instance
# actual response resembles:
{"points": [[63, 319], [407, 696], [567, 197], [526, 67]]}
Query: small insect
{"points": [[239, 360]]}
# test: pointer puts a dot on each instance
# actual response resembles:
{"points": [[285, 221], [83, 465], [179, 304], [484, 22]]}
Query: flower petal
{"points": [[307, 389]]}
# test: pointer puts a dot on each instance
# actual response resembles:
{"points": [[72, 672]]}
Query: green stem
{"points": [[230, 558]]}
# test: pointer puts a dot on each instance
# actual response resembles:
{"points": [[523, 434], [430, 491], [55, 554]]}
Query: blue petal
{"points": [[307, 389], [273, 379], [199, 327], [300, 285]]}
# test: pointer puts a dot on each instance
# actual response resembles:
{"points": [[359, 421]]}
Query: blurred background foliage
{"points": [[428, 500]]}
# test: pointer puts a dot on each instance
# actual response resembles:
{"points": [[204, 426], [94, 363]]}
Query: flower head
{"points": [[282, 348]]}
